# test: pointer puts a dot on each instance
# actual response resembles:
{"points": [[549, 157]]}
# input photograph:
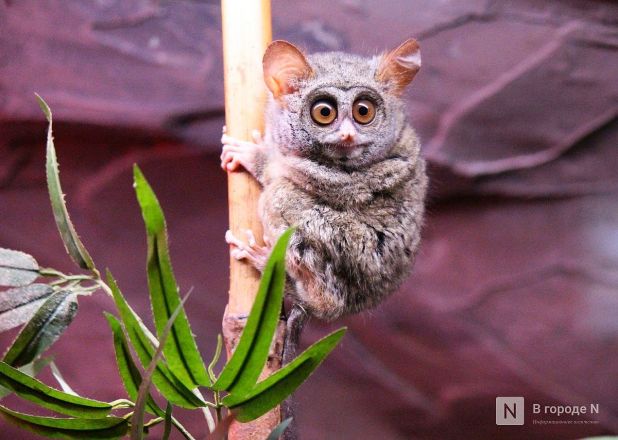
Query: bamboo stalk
{"points": [[246, 33]]}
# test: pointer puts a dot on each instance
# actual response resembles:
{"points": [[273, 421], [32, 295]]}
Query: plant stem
{"points": [[50, 272], [218, 403]]}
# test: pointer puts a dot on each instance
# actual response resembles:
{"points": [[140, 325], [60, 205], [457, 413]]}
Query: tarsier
{"points": [[339, 161]]}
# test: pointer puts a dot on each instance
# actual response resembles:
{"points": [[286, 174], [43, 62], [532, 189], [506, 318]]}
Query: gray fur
{"points": [[359, 215]]}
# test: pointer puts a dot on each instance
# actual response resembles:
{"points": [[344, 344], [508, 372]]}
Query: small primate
{"points": [[340, 162]]}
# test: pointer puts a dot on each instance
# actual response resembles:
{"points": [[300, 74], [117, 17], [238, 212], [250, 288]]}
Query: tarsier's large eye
{"points": [[363, 111], [324, 111]]}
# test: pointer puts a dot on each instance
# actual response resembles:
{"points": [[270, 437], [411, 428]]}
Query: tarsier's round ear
{"points": [[399, 66], [284, 66]]}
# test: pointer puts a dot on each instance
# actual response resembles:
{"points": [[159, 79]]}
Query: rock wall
{"points": [[515, 289]]}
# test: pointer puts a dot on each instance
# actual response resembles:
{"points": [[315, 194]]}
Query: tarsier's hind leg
{"points": [[297, 318]]}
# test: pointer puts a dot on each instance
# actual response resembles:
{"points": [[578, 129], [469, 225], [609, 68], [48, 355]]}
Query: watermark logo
{"points": [[509, 411]]}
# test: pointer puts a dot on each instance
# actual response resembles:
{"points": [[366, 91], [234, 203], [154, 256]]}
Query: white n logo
{"points": [[509, 410]]}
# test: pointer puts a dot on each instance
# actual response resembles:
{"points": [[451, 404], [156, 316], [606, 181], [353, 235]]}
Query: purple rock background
{"points": [[515, 288]]}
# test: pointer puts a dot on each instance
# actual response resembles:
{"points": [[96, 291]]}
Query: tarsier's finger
{"points": [[226, 158], [230, 238], [224, 129], [225, 139], [239, 254], [230, 161], [234, 164]]}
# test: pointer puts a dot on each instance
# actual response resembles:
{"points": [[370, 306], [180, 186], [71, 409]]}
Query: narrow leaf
{"points": [[165, 381], [129, 373], [72, 243], [131, 377], [180, 350], [31, 369], [17, 305], [17, 268], [137, 427], [70, 429], [278, 386], [242, 371], [45, 396], [279, 429], [47, 324]]}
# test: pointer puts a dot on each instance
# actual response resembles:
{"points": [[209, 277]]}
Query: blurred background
{"points": [[514, 292]]}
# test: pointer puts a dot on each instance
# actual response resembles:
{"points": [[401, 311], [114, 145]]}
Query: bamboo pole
{"points": [[246, 33]]}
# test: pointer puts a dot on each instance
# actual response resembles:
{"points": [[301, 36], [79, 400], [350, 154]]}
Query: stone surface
{"points": [[514, 291]]}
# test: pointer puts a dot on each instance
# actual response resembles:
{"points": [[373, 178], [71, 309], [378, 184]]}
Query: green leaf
{"points": [[17, 305], [131, 377], [278, 431], [17, 268], [278, 386], [70, 429], [31, 369], [35, 391], [72, 243], [47, 324], [143, 394], [242, 371], [181, 351], [129, 373], [165, 381]]}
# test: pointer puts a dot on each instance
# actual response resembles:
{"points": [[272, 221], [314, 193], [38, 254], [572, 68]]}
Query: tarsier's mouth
{"points": [[346, 146]]}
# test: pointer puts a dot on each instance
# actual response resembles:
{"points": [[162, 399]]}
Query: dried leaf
{"points": [[17, 268], [17, 305]]}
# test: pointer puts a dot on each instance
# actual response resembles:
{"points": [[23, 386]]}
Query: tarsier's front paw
{"points": [[240, 153], [252, 252]]}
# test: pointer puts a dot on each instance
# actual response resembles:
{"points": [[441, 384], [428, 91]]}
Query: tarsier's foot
{"points": [[240, 153], [256, 255]]}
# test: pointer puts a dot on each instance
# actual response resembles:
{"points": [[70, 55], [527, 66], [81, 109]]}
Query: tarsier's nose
{"points": [[347, 131]]}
